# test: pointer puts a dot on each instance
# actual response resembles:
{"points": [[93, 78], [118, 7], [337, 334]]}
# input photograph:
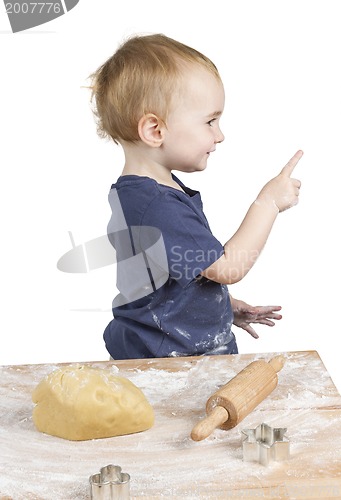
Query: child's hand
{"points": [[282, 190], [244, 315]]}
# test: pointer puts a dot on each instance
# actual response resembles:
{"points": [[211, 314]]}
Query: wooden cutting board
{"points": [[164, 461]]}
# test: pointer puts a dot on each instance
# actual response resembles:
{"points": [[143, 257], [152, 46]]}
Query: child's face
{"points": [[193, 122]]}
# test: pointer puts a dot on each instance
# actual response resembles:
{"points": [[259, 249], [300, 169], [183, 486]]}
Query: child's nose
{"points": [[219, 137]]}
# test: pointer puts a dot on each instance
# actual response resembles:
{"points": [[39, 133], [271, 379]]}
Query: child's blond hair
{"points": [[141, 77]]}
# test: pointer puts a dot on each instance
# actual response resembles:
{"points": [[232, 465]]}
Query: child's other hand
{"points": [[244, 315], [283, 191]]}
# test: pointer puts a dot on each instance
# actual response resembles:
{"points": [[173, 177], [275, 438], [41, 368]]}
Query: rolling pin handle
{"points": [[205, 427], [277, 363]]}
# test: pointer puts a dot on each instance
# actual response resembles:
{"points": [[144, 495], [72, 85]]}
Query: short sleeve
{"points": [[189, 244]]}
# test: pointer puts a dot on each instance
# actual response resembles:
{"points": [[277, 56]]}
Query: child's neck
{"points": [[166, 180], [139, 164]]}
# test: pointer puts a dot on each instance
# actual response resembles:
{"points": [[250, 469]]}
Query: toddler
{"points": [[162, 101]]}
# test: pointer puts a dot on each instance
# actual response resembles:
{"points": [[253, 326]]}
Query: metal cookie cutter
{"points": [[264, 444], [110, 484]]}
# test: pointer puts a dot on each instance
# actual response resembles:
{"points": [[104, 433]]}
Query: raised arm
{"points": [[243, 249]]}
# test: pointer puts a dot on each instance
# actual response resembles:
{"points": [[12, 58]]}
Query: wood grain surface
{"points": [[163, 461]]}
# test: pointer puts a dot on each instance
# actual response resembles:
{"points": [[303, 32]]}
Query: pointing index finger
{"points": [[289, 167]]}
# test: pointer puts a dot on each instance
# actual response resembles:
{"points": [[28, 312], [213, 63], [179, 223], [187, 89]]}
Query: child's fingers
{"points": [[289, 167]]}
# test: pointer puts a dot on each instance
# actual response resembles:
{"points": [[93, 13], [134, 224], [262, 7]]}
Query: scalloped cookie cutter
{"points": [[265, 444], [110, 484]]}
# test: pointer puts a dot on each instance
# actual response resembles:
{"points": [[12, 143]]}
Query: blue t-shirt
{"points": [[163, 242]]}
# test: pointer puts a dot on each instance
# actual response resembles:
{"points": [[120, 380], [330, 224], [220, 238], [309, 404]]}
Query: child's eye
{"points": [[211, 122]]}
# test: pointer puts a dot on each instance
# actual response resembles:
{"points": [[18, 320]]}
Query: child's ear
{"points": [[151, 130]]}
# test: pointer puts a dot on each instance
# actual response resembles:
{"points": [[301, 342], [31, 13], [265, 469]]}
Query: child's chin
{"points": [[202, 166], [194, 168]]}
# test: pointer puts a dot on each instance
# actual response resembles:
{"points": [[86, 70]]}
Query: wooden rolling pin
{"points": [[236, 399]]}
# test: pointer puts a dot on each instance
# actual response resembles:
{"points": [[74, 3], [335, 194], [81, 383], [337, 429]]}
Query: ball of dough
{"points": [[80, 403]]}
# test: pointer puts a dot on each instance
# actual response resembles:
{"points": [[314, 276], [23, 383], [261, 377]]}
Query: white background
{"points": [[280, 63]]}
